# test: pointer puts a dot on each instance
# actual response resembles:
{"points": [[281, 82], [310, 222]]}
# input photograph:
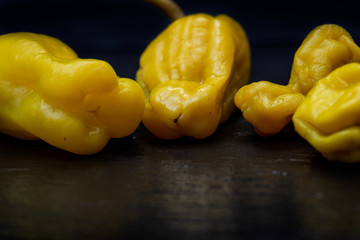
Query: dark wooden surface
{"points": [[233, 185]]}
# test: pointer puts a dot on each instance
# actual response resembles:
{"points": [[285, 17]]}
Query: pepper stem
{"points": [[169, 7]]}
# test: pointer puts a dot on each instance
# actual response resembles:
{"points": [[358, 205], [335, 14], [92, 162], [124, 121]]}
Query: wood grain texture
{"points": [[233, 184]]}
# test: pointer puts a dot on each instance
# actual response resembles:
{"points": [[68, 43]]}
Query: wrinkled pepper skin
{"points": [[269, 107], [329, 117], [190, 74], [48, 93]]}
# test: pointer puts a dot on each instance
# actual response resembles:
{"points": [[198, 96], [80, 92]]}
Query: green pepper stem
{"points": [[169, 7]]}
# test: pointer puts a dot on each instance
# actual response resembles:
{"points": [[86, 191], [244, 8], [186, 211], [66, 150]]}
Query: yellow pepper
{"points": [[329, 117], [47, 92], [269, 107], [190, 74]]}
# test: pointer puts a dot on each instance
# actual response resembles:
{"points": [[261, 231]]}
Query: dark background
{"points": [[119, 30], [232, 185]]}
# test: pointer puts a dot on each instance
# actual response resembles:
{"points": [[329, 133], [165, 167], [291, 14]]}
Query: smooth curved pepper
{"points": [[190, 74], [47, 92], [269, 107], [329, 117]]}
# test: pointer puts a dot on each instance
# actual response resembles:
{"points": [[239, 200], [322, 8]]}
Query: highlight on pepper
{"points": [[190, 73], [269, 107], [48, 93]]}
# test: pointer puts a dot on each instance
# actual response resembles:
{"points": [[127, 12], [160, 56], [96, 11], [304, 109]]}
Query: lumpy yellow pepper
{"points": [[190, 74], [47, 92], [269, 107], [329, 117]]}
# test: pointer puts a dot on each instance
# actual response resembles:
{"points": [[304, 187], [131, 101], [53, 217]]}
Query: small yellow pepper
{"points": [[269, 107], [329, 117], [190, 74], [47, 92]]}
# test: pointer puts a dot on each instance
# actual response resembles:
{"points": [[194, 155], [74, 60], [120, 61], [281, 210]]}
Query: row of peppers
{"points": [[191, 78]]}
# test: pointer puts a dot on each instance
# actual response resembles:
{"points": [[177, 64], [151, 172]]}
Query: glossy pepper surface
{"points": [[190, 74], [329, 117], [269, 107], [47, 92]]}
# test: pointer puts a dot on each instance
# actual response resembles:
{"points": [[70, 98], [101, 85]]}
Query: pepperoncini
{"points": [[190, 74], [47, 92], [329, 116], [269, 107]]}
